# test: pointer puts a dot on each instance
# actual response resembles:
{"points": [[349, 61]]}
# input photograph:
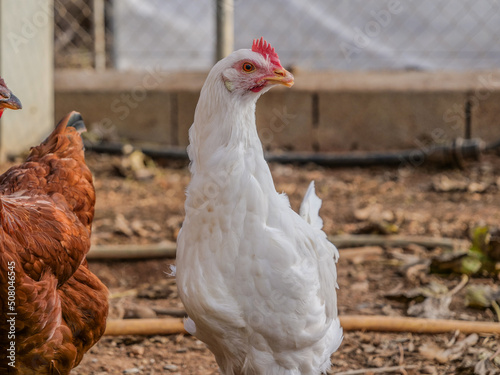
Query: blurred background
{"points": [[313, 35], [389, 84], [371, 76]]}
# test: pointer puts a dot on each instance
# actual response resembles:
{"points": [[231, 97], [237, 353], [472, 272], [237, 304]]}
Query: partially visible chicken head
{"points": [[7, 98]]}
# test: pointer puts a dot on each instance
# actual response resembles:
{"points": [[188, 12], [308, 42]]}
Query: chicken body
{"points": [[257, 280], [53, 308]]}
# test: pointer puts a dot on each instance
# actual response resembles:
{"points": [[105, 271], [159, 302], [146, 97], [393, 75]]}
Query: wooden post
{"points": [[377, 323], [99, 21], [225, 28]]}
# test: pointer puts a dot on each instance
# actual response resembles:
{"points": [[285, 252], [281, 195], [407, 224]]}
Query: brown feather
{"points": [[46, 211]]}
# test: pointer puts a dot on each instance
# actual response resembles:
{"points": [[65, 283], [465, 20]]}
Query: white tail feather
{"points": [[190, 326], [309, 208]]}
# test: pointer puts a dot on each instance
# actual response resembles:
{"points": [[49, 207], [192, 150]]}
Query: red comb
{"points": [[265, 49]]}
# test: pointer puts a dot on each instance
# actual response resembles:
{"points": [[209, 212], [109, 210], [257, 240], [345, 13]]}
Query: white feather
{"points": [[173, 271], [190, 326], [310, 206], [256, 279]]}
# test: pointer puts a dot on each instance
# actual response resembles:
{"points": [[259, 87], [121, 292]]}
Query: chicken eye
{"points": [[248, 67]]}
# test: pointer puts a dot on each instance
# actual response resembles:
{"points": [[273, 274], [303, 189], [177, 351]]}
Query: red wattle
{"points": [[257, 88]]}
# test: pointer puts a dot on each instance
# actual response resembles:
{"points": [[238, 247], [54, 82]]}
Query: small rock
{"points": [[377, 362], [374, 213], [143, 174], [159, 339], [367, 348], [477, 187], [136, 350], [133, 370], [170, 368], [138, 312], [444, 184], [360, 287]]}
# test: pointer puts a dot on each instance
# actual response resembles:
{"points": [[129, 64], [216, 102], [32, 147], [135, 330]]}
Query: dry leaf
{"points": [[479, 296], [432, 308], [434, 352], [486, 367], [123, 226]]}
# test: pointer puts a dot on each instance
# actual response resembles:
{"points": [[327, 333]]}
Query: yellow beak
{"points": [[281, 76]]}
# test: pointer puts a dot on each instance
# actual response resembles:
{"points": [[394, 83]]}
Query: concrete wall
{"points": [[26, 64], [334, 112]]}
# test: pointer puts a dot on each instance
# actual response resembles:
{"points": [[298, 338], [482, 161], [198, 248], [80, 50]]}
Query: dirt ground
{"points": [[146, 206]]}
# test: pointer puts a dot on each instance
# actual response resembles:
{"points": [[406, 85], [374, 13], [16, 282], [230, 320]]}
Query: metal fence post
{"points": [[225, 28]]}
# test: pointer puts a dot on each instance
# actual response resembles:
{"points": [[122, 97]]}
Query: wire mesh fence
{"points": [[73, 44], [317, 34]]}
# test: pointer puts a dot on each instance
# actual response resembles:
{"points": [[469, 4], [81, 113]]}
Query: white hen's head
{"points": [[247, 73], [226, 109]]}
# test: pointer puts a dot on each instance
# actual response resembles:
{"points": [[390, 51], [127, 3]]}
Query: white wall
{"points": [[26, 64]]}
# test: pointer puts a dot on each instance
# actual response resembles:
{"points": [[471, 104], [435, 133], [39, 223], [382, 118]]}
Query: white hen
{"points": [[257, 280]]}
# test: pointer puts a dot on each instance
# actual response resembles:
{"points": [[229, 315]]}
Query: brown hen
{"points": [[53, 308]]}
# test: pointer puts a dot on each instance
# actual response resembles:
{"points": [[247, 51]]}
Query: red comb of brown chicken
{"points": [[53, 308]]}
